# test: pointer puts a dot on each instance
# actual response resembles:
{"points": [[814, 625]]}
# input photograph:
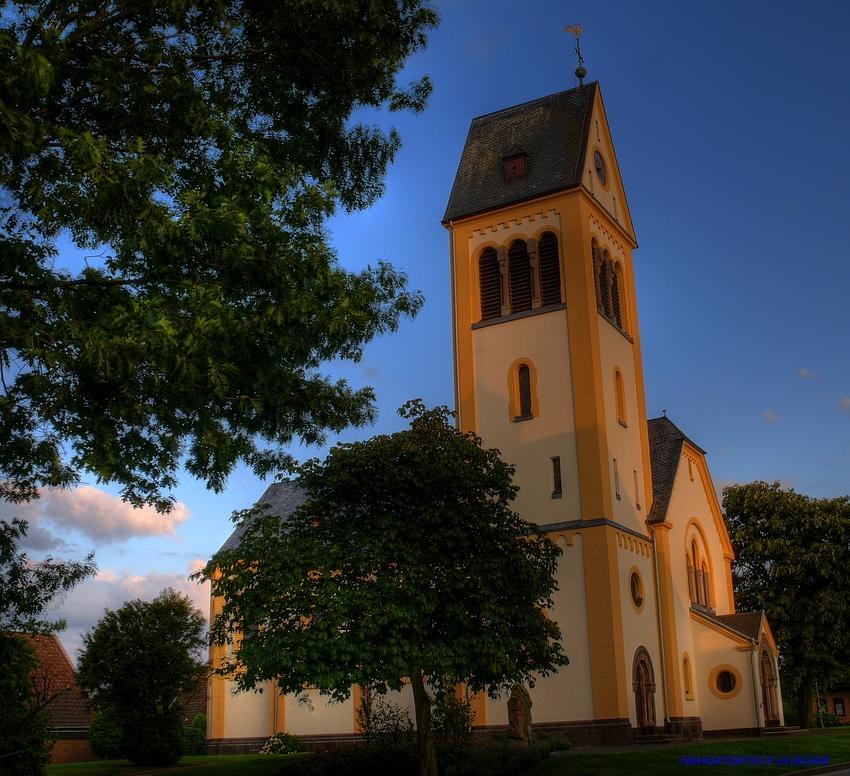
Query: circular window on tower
{"points": [[725, 681], [636, 592]]}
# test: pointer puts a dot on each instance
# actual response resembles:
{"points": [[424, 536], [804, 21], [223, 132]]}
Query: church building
{"points": [[548, 369]]}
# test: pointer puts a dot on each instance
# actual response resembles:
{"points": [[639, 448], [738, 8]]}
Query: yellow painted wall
{"points": [[713, 650]]}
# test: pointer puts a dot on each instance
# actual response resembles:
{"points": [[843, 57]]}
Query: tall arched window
{"points": [[605, 284], [490, 284], [519, 272], [616, 314], [550, 268], [689, 682], [524, 377], [620, 394]]}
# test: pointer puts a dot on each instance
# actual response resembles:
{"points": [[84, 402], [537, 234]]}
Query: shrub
{"points": [[281, 743], [154, 737], [555, 741], [452, 717], [195, 735], [106, 738], [194, 740], [383, 722], [825, 719]]}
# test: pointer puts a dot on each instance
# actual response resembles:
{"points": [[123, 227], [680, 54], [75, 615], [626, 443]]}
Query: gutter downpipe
{"points": [[667, 722], [452, 262], [759, 725]]}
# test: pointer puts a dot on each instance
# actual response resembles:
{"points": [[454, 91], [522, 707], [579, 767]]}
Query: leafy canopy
{"points": [[27, 589], [193, 149], [793, 561], [405, 562], [136, 662]]}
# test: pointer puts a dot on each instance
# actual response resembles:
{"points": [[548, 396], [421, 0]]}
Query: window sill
{"points": [[557, 494], [520, 418], [523, 314]]}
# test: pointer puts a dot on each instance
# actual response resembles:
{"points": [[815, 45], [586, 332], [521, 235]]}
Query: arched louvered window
{"points": [[524, 378], [616, 315], [605, 285], [491, 284], [550, 268], [519, 272]]}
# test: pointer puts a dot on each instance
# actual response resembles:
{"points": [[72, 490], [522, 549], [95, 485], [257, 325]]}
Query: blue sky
{"points": [[730, 123]]}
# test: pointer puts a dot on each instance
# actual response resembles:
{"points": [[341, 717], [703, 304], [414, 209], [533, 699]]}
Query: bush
{"points": [[281, 743], [360, 761], [194, 740], [555, 741], [452, 717], [106, 738], [825, 719], [383, 722], [155, 738]]}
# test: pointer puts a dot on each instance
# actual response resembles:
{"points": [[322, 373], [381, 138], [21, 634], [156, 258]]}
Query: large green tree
{"points": [[406, 562], [192, 149], [793, 560], [26, 590], [136, 662]]}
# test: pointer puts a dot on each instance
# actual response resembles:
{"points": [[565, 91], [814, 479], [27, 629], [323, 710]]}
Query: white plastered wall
{"points": [[542, 340]]}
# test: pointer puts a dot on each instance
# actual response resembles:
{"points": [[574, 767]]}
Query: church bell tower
{"points": [[547, 354]]}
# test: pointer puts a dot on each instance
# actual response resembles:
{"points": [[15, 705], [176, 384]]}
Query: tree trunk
{"points": [[804, 704], [424, 739]]}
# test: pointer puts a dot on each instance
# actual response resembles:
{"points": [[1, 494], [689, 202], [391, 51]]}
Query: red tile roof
{"points": [[55, 680]]}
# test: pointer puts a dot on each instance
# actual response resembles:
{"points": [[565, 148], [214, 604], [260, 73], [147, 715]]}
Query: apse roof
{"points": [[552, 134], [279, 498]]}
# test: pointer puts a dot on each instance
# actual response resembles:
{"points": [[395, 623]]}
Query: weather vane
{"points": [[580, 71]]}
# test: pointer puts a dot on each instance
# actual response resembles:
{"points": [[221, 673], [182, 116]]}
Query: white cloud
{"points": [[93, 512], [844, 405], [111, 589], [806, 374]]}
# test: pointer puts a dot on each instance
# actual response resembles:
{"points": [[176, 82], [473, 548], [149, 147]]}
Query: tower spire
{"points": [[580, 70]]}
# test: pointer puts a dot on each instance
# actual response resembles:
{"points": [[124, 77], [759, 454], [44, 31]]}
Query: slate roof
{"points": [[56, 678], [282, 499], [552, 131], [666, 441], [748, 625]]}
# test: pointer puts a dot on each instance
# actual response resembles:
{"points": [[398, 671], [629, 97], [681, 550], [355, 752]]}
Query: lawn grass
{"points": [[646, 762], [201, 765], [661, 762]]}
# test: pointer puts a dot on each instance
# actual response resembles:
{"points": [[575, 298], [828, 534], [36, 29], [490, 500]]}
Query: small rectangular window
{"points": [[637, 491], [839, 706], [557, 489], [616, 481]]}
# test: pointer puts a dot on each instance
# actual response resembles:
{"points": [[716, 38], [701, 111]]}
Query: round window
{"points": [[636, 589], [726, 681]]}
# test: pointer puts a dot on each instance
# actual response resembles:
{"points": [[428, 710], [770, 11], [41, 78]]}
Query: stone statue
{"points": [[519, 715]]}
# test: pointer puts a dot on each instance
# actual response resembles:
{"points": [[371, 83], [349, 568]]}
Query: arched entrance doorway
{"points": [[769, 693], [643, 682]]}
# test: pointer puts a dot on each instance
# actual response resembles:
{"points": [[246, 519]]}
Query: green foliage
{"points": [[194, 740], [25, 735], [793, 561], [381, 721], [452, 717], [26, 588], [199, 722], [193, 150], [282, 743], [136, 662], [378, 577], [826, 719], [106, 736]]}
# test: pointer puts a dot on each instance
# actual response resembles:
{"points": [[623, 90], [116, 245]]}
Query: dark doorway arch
{"points": [[643, 682], [769, 689]]}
